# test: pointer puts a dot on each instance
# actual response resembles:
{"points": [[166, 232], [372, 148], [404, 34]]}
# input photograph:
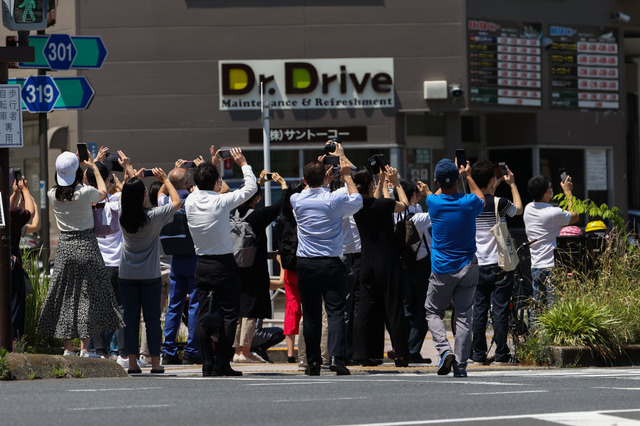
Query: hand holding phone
{"points": [[563, 174], [17, 175], [268, 176], [225, 153], [188, 164], [503, 169], [147, 173], [83, 153], [331, 160]]}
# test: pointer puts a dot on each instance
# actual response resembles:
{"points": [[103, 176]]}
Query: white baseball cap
{"points": [[66, 167]]}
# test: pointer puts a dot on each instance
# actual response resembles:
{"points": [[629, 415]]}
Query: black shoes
{"points": [[313, 369], [338, 365], [400, 362], [418, 359], [171, 359], [370, 362], [291, 359], [220, 372], [190, 361]]}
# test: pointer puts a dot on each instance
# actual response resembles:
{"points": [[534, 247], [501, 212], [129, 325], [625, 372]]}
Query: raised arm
{"points": [[465, 171], [392, 175], [102, 188], [515, 194], [173, 194]]}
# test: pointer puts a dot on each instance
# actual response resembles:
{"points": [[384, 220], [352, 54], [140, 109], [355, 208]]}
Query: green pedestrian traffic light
{"points": [[24, 15]]}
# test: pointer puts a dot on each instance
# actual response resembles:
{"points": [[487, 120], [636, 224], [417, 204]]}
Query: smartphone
{"points": [[268, 176], [503, 169], [189, 164], [225, 153], [272, 255], [83, 154], [115, 164], [335, 170], [563, 174], [377, 163], [461, 157], [147, 173], [331, 160], [17, 175]]}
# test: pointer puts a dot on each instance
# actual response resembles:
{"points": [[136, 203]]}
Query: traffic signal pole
{"points": [[45, 239], [20, 53]]}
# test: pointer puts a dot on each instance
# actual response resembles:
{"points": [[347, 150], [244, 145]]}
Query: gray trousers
{"points": [[460, 287]]}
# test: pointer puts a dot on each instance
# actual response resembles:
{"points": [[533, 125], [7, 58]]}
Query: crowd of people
{"points": [[345, 276]]}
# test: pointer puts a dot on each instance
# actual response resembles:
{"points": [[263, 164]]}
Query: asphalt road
{"points": [[526, 397]]}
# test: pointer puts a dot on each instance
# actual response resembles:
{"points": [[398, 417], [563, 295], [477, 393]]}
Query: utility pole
{"points": [[20, 53], [43, 126]]}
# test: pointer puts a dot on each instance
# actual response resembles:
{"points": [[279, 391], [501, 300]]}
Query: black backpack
{"points": [[175, 236]]}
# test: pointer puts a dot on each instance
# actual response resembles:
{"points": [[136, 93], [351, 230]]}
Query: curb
{"points": [[570, 356], [29, 367]]}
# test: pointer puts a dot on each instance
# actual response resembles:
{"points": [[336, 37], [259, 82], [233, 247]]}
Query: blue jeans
{"points": [[145, 295], [543, 294], [183, 283], [495, 286]]}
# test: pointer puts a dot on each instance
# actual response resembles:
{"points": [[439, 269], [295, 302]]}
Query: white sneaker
{"points": [[247, 359], [123, 362], [87, 354], [69, 353], [145, 360], [236, 357], [258, 357], [142, 364]]}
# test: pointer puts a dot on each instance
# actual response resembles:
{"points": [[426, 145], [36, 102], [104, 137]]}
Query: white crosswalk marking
{"points": [[588, 418]]}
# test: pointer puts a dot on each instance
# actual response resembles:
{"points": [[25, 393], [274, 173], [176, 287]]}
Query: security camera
{"points": [[546, 43], [455, 90], [621, 17]]}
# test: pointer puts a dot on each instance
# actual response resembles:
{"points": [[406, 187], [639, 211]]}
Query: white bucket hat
{"points": [[66, 167]]}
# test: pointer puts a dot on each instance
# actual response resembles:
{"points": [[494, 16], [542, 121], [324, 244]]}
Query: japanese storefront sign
{"points": [[311, 134], [585, 69], [307, 83], [10, 116], [504, 63]]}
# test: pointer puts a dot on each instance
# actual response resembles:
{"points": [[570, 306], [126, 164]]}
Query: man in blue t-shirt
{"points": [[453, 262]]}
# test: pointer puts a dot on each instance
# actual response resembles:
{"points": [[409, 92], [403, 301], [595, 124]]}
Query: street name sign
{"points": [[63, 52]]}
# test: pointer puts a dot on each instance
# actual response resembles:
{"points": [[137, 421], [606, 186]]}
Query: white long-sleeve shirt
{"points": [[208, 215]]}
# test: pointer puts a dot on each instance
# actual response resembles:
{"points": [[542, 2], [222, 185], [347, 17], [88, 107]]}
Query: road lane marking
{"points": [[615, 388], [570, 415], [506, 393], [120, 407]]}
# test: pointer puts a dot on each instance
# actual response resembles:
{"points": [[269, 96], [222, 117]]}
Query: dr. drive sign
{"points": [[307, 83]]}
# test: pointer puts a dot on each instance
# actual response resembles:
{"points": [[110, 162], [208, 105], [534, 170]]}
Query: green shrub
{"points": [[580, 322], [5, 373], [533, 350]]}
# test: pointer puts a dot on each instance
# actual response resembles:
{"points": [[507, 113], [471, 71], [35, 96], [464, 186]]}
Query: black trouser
{"points": [[417, 283], [220, 274], [381, 297], [18, 301], [322, 278], [352, 285]]}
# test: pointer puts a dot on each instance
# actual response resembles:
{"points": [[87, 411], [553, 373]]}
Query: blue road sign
{"points": [[75, 93], [93, 148], [90, 52], [40, 93], [60, 51]]}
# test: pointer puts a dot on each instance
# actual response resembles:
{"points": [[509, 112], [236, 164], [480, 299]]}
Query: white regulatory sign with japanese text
{"points": [[596, 160], [10, 116]]}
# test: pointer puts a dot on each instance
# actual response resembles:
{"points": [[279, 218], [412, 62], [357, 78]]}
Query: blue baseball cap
{"points": [[446, 172]]}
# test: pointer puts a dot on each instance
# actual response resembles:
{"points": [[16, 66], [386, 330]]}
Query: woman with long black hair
{"points": [[80, 301], [381, 293], [139, 277]]}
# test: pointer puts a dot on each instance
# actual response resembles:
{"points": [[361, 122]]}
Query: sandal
{"points": [[134, 371], [159, 370]]}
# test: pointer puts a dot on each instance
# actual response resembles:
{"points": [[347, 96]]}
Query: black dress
{"points": [[255, 299], [381, 292]]}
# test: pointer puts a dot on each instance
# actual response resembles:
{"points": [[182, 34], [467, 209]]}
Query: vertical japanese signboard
{"points": [[504, 61], [10, 116], [585, 68]]}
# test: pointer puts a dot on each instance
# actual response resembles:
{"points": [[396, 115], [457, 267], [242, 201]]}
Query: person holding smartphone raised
{"points": [[80, 301]]}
